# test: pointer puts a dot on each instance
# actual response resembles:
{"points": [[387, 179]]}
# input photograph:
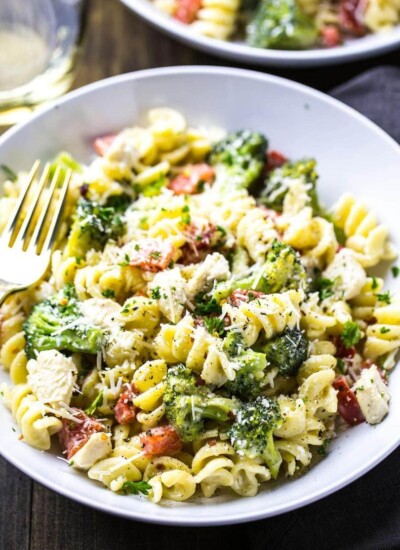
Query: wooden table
{"points": [[32, 517]]}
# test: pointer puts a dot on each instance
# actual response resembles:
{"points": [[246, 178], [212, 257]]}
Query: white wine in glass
{"points": [[39, 43]]}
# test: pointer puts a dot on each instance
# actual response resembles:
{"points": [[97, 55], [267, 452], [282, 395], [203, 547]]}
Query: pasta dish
{"points": [[206, 324]]}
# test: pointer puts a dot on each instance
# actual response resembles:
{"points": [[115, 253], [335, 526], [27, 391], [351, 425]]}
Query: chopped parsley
{"points": [[221, 229], [155, 293], [136, 487], [185, 217], [126, 261], [156, 255], [384, 330], [206, 306], [214, 325], [384, 297], [324, 287], [108, 293], [374, 285], [97, 402], [396, 271], [351, 334]]}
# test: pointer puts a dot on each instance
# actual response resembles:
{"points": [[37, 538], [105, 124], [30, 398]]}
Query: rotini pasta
{"points": [[35, 424], [265, 26], [217, 18], [191, 338], [268, 315], [364, 235], [382, 15], [383, 336]]}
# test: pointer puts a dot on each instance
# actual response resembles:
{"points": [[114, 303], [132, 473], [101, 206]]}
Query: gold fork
{"points": [[29, 236]]}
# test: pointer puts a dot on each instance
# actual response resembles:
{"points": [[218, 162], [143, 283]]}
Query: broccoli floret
{"points": [[252, 432], [65, 162], [95, 224], [239, 160], [281, 24], [250, 377], [233, 343], [277, 184], [57, 323], [282, 270], [287, 351], [188, 404]]}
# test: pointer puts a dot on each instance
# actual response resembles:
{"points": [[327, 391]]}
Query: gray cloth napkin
{"points": [[375, 94]]}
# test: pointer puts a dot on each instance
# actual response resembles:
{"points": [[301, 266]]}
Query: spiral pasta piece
{"points": [[382, 15], [174, 483], [212, 466], [314, 320], [200, 351], [306, 418], [269, 314], [64, 270], [367, 238], [31, 417], [247, 475], [141, 313], [314, 237], [113, 472], [364, 304], [383, 336], [217, 18], [149, 381], [256, 233], [98, 281]]}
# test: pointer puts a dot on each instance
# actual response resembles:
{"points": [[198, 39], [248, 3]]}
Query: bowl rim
{"points": [[354, 50], [227, 518]]}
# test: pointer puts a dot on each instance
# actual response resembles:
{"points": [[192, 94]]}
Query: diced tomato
{"points": [[160, 441], [200, 240], [348, 405], [189, 181], [74, 434], [125, 410], [351, 16], [239, 296], [101, 144], [331, 36], [275, 159], [186, 10], [152, 254]]}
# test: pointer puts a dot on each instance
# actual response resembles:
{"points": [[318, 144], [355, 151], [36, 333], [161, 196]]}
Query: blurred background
{"points": [[87, 40], [118, 42]]}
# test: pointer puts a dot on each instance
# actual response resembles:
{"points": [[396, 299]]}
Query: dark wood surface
{"points": [[32, 517]]}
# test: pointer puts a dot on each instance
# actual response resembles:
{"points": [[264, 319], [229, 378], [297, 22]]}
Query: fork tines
{"points": [[35, 220]]}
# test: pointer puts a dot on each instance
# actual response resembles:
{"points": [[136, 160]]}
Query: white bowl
{"points": [[353, 155], [352, 50]]}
